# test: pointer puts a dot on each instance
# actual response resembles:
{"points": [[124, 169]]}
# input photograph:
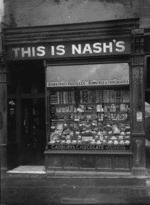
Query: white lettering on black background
{"points": [[71, 49]]}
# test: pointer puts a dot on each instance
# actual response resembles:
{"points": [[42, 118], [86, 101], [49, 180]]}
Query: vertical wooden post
{"points": [[3, 115], [138, 103]]}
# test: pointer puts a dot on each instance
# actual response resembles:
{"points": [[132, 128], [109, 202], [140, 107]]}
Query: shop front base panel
{"points": [[91, 168], [85, 160]]}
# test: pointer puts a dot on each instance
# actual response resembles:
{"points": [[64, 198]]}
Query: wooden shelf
{"points": [[109, 103], [90, 152], [63, 105]]}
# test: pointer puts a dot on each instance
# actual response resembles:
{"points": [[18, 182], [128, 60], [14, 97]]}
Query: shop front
{"points": [[94, 94], [89, 120]]}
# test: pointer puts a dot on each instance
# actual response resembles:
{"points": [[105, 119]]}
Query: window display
{"points": [[89, 117]]}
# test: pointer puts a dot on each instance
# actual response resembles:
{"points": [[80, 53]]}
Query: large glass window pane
{"points": [[89, 107], [88, 75]]}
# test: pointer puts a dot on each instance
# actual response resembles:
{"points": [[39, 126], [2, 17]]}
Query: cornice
{"points": [[68, 32]]}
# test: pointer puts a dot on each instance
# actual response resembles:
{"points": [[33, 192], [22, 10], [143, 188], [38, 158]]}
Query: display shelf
{"points": [[62, 105], [64, 113], [94, 115], [103, 112], [61, 120], [106, 103]]}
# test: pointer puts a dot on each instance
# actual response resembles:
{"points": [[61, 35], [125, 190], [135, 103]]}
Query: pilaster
{"points": [[3, 115], [138, 100]]}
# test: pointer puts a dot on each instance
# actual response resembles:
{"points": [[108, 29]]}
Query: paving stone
{"points": [[39, 191]]}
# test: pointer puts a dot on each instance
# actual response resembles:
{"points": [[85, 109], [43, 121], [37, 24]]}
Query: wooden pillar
{"points": [[3, 116], [138, 103]]}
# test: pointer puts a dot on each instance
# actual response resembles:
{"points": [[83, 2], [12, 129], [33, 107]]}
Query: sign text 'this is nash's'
{"points": [[67, 49]]}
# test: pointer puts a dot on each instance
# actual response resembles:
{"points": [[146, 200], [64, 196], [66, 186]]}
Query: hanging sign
{"points": [[70, 49]]}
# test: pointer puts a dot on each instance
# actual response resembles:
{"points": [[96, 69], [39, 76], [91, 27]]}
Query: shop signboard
{"points": [[70, 49], [87, 146]]}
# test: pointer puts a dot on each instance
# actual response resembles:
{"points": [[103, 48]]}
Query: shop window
{"points": [[88, 107]]}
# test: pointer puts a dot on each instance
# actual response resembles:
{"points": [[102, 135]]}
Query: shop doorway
{"points": [[26, 114], [33, 131]]}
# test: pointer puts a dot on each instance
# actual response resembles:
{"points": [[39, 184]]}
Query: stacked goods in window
{"points": [[95, 117], [54, 98]]}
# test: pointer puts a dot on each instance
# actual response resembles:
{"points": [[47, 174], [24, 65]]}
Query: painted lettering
{"points": [[33, 51], [26, 51], [107, 46], [87, 48], [97, 48], [120, 46], [40, 50], [52, 50], [60, 50], [76, 49], [102, 47], [16, 51]]}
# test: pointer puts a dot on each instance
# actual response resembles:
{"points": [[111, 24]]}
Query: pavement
{"points": [[37, 189], [30, 186]]}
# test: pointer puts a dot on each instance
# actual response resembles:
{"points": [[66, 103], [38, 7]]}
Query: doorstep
{"points": [[27, 171]]}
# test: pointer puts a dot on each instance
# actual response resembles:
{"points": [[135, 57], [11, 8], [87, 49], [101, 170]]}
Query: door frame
{"points": [[18, 96]]}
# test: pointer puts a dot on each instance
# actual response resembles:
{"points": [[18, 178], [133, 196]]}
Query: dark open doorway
{"points": [[33, 131], [26, 123]]}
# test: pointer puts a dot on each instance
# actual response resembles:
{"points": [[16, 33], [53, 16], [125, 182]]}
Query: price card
{"points": [[87, 138], [139, 116]]}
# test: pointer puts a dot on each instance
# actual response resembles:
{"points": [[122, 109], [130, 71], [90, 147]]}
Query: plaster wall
{"points": [[144, 13], [20, 13], [1, 19], [1, 9]]}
